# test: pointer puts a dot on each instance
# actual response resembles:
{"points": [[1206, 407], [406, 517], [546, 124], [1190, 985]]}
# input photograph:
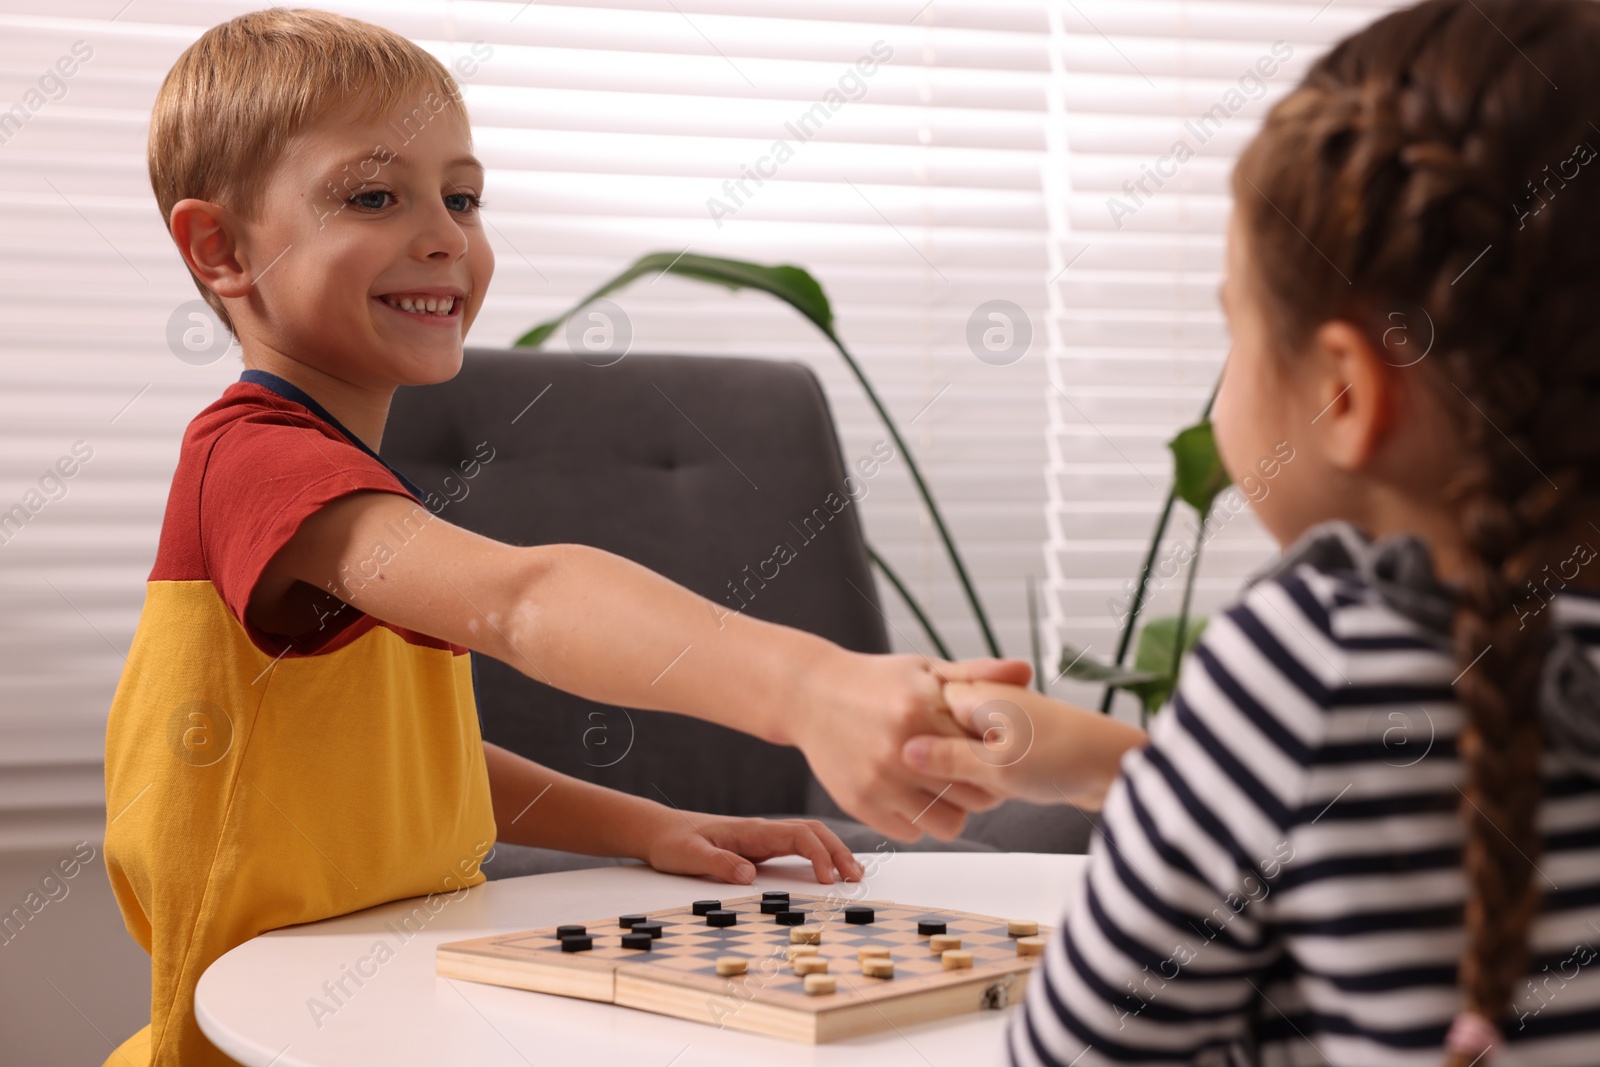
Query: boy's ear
{"points": [[205, 235], [1354, 390]]}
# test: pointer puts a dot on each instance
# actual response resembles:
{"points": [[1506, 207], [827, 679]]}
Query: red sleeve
{"points": [[265, 475]]}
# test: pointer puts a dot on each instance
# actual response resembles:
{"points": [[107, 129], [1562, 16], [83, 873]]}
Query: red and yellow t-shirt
{"points": [[250, 785]]}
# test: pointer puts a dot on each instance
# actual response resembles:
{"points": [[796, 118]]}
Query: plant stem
{"points": [[927, 498], [1144, 572], [1138, 593], [1033, 637], [911, 602], [1188, 595]]}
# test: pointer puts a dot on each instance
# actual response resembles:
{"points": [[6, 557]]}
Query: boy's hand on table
{"points": [[729, 848], [857, 712], [1020, 744]]}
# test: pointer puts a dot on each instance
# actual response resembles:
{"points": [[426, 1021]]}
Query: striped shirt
{"points": [[1279, 877]]}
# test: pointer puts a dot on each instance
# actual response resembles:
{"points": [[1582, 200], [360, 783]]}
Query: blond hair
{"points": [[233, 101]]}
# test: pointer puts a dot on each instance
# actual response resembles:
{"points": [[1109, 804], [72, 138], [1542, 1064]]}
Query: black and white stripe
{"points": [[1279, 876]]}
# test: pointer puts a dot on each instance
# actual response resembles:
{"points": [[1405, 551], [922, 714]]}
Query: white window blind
{"points": [[1149, 105], [911, 188], [968, 163]]}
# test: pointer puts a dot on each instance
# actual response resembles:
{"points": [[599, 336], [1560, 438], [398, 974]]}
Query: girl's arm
{"points": [[601, 627], [1174, 945]]}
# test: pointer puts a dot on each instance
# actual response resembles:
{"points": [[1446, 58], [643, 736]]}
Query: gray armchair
{"points": [[698, 468]]}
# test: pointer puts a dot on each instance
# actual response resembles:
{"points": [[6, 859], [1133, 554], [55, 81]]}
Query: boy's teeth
{"points": [[432, 305]]}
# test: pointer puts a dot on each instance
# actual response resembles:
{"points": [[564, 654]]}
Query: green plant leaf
{"points": [[793, 285], [1198, 474], [1154, 656], [1074, 664]]}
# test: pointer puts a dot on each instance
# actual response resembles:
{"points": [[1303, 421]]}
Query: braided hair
{"points": [[1438, 170]]}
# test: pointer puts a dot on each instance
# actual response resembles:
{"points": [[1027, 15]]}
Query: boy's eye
{"points": [[360, 199], [459, 202]]}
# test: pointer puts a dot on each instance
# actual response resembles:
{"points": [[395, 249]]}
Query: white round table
{"points": [[276, 1001]]}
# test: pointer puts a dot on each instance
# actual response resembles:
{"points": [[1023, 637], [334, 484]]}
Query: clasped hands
{"points": [[911, 745]]}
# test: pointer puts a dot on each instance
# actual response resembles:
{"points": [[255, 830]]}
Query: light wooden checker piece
{"points": [[678, 975]]}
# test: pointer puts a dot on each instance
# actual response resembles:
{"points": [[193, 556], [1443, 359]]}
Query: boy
{"points": [[277, 754]]}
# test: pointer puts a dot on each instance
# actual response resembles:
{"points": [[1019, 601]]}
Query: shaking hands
{"points": [[1016, 743]]}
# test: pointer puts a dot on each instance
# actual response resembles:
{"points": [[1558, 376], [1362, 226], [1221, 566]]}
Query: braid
{"points": [[1499, 747], [1407, 159]]}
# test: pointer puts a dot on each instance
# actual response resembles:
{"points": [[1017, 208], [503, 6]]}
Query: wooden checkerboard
{"points": [[678, 975]]}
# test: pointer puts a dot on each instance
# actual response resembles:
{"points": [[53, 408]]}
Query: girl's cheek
{"points": [[1225, 416]]}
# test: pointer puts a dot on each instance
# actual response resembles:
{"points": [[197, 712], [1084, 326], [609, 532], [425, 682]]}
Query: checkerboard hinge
{"points": [[998, 994]]}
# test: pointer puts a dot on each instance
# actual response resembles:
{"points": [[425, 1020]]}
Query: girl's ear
{"points": [[1352, 388]]}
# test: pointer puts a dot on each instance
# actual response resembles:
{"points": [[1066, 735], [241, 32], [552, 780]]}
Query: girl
{"points": [[1367, 828]]}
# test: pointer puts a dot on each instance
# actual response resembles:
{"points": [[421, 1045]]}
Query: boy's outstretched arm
{"points": [[1024, 745], [534, 805], [602, 627]]}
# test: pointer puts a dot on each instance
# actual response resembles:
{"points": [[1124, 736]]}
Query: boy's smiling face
{"points": [[354, 214]]}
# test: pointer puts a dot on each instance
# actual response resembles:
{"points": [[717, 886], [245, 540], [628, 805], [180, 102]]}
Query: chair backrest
{"points": [[702, 469]]}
